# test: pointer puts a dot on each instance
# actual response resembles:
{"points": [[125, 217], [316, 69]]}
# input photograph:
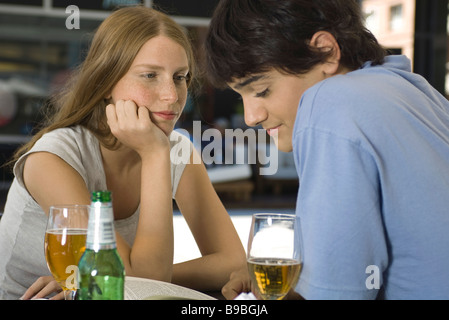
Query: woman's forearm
{"points": [[151, 255], [208, 273]]}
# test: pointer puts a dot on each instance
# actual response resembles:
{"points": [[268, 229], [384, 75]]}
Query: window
{"points": [[396, 18], [372, 20]]}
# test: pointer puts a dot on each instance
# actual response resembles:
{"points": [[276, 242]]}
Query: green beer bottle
{"points": [[101, 270]]}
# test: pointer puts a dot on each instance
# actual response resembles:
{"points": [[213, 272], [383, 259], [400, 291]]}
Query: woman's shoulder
{"points": [[77, 138], [74, 132], [72, 144]]}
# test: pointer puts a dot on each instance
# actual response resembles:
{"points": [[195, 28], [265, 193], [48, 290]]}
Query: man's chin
{"points": [[283, 146]]}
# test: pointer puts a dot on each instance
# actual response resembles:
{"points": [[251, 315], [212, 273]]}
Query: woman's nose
{"points": [[168, 91]]}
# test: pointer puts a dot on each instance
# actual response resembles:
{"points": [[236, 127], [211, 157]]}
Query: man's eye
{"points": [[262, 94]]}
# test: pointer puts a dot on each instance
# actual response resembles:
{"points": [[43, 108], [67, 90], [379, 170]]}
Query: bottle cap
{"points": [[101, 196]]}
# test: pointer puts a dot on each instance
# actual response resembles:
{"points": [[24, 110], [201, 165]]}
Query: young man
{"points": [[370, 141]]}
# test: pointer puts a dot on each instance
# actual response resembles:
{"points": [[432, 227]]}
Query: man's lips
{"points": [[166, 115], [273, 131]]}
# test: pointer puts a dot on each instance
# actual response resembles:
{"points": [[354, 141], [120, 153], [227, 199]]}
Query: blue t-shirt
{"points": [[371, 149]]}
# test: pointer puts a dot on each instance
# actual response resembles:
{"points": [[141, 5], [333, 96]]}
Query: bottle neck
{"points": [[100, 232]]}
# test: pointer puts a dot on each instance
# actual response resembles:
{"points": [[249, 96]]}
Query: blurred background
{"points": [[38, 52]]}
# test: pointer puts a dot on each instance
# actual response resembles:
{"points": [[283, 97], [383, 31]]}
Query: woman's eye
{"points": [[149, 75], [262, 94], [180, 78]]}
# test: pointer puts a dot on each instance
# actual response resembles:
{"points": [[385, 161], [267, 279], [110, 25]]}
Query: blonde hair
{"points": [[113, 49]]}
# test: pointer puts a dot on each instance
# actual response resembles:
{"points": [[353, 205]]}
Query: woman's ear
{"points": [[324, 41], [108, 97]]}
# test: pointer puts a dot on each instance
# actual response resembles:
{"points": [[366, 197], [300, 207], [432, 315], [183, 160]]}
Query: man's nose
{"points": [[254, 113]]}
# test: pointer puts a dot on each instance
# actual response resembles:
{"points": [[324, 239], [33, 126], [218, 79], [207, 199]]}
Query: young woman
{"points": [[369, 137], [113, 129]]}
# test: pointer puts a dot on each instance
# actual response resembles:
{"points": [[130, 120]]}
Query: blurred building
{"points": [[393, 23], [417, 29]]}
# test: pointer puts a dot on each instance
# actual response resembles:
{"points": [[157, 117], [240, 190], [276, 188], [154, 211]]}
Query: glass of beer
{"points": [[65, 242], [274, 254]]}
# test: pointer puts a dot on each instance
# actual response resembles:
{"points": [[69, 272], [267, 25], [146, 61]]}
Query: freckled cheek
{"points": [[140, 95], [146, 98]]}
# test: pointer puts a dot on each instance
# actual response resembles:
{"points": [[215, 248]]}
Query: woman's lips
{"points": [[166, 115]]}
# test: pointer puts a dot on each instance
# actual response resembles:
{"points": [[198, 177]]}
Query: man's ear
{"points": [[324, 41]]}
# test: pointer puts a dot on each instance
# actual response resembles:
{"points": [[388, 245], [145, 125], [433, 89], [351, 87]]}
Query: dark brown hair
{"points": [[252, 36]]}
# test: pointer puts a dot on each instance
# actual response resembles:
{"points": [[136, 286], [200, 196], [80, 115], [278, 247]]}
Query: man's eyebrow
{"points": [[248, 81]]}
